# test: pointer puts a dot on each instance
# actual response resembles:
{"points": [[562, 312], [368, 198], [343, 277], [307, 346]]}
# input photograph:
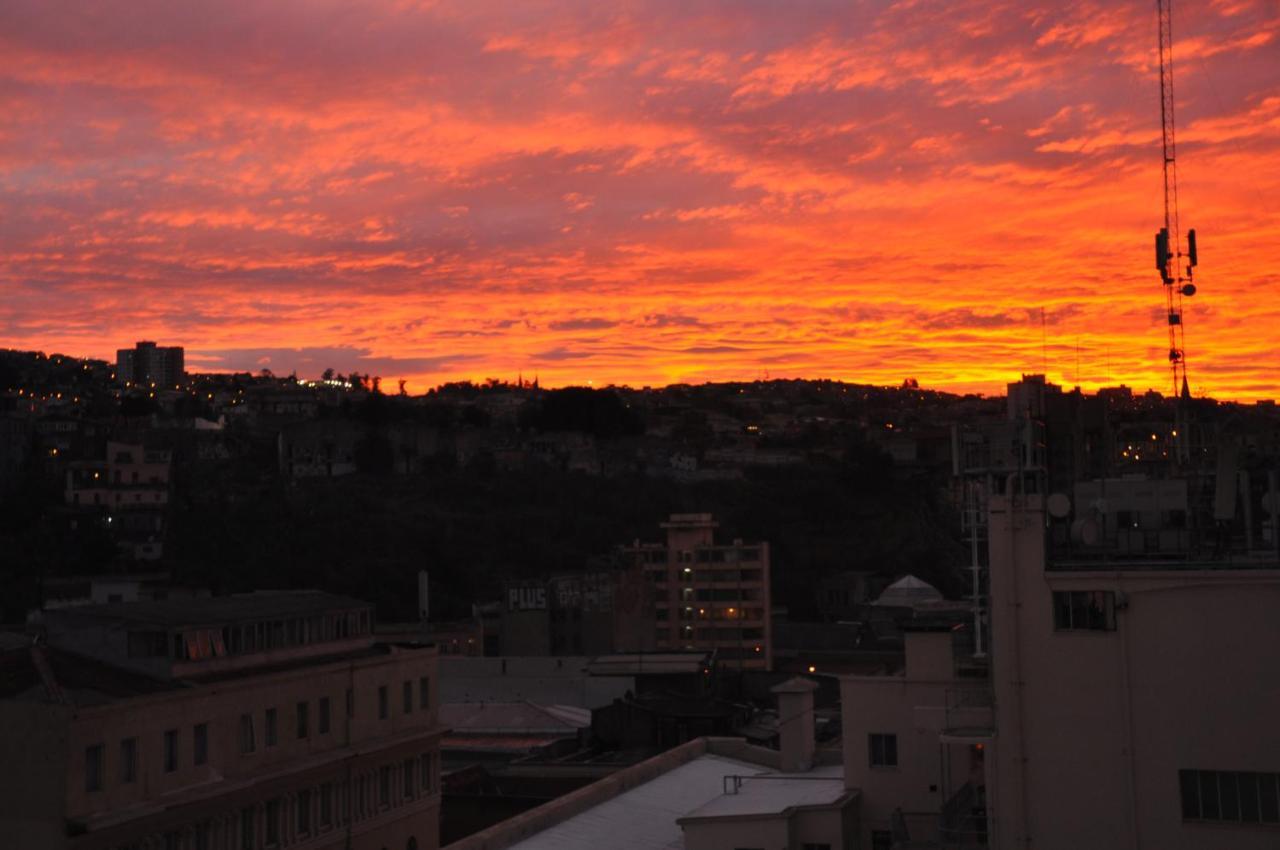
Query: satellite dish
{"points": [[1059, 505]]}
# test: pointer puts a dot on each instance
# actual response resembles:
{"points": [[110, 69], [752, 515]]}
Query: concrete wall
{"points": [[921, 780], [33, 774], [1094, 726]]}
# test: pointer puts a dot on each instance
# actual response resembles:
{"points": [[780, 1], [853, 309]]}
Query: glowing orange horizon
{"points": [[640, 193]]}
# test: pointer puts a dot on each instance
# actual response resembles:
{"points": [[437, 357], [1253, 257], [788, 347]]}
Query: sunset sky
{"points": [[640, 192]]}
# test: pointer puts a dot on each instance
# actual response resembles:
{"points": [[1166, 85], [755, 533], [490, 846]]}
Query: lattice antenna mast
{"points": [[1174, 273]]}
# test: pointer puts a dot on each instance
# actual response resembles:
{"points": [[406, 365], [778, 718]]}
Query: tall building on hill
{"points": [[266, 720], [146, 363], [706, 595]]}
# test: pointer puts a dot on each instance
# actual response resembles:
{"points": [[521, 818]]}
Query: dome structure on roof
{"points": [[909, 592]]}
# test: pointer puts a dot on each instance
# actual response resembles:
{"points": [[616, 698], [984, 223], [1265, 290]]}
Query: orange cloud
{"points": [[638, 192]]}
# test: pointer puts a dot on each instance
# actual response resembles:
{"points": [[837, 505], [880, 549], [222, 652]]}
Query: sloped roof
{"points": [[516, 718]]}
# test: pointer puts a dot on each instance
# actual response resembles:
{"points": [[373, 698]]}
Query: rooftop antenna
{"points": [[1169, 254]]}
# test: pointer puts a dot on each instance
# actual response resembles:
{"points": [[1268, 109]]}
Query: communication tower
{"points": [[1175, 265]]}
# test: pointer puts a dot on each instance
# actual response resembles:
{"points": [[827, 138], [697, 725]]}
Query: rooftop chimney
{"points": [[795, 723]]}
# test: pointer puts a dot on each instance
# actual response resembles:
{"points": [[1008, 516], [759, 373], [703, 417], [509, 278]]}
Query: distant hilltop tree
{"points": [[602, 413]]}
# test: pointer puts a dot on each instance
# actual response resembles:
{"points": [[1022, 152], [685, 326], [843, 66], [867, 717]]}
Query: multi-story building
{"points": [[128, 491], [1136, 686], [147, 364], [706, 595], [267, 720], [1133, 689]]}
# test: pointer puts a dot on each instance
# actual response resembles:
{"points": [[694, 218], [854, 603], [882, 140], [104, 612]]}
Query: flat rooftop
{"points": [[774, 793], [644, 818], [217, 610]]}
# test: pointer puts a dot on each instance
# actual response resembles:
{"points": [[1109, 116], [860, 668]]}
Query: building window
{"points": [[408, 697], [384, 786], [424, 693], [129, 760], [881, 839], [322, 722], [407, 778], [93, 758], [326, 804], [425, 771], [883, 750], [272, 818], [1232, 796], [351, 703], [303, 711], [246, 829], [272, 730], [1084, 610], [382, 702], [170, 750], [200, 743], [303, 807], [247, 742]]}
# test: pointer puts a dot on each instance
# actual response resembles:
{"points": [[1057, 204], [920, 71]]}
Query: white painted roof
{"points": [[644, 818], [774, 793]]}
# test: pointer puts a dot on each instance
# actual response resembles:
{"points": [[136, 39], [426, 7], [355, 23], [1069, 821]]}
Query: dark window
{"points": [[170, 751], [382, 702], [407, 691], [883, 750], [272, 817], [303, 711], [1226, 795], [322, 722], [425, 763], [351, 703], [384, 786], [200, 743], [1269, 797], [270, 723], [202, 833], [303, 807], [247, 742], [1084, 610], [246, 829], [129, 760], [326, 804], [407, 778], [424, 693], [881, 839], [93, 758]]}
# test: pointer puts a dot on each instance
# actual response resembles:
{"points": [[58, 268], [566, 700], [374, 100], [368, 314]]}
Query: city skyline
{"points": [[639, 193]]}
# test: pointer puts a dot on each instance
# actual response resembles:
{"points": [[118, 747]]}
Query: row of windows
{"points": [[308, 812], [96, 757], [198, 644], [1236, 796]]}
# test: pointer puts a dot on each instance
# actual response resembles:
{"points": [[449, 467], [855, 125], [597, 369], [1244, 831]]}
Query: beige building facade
{"points": [[1136, 698], [177, 734]]}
